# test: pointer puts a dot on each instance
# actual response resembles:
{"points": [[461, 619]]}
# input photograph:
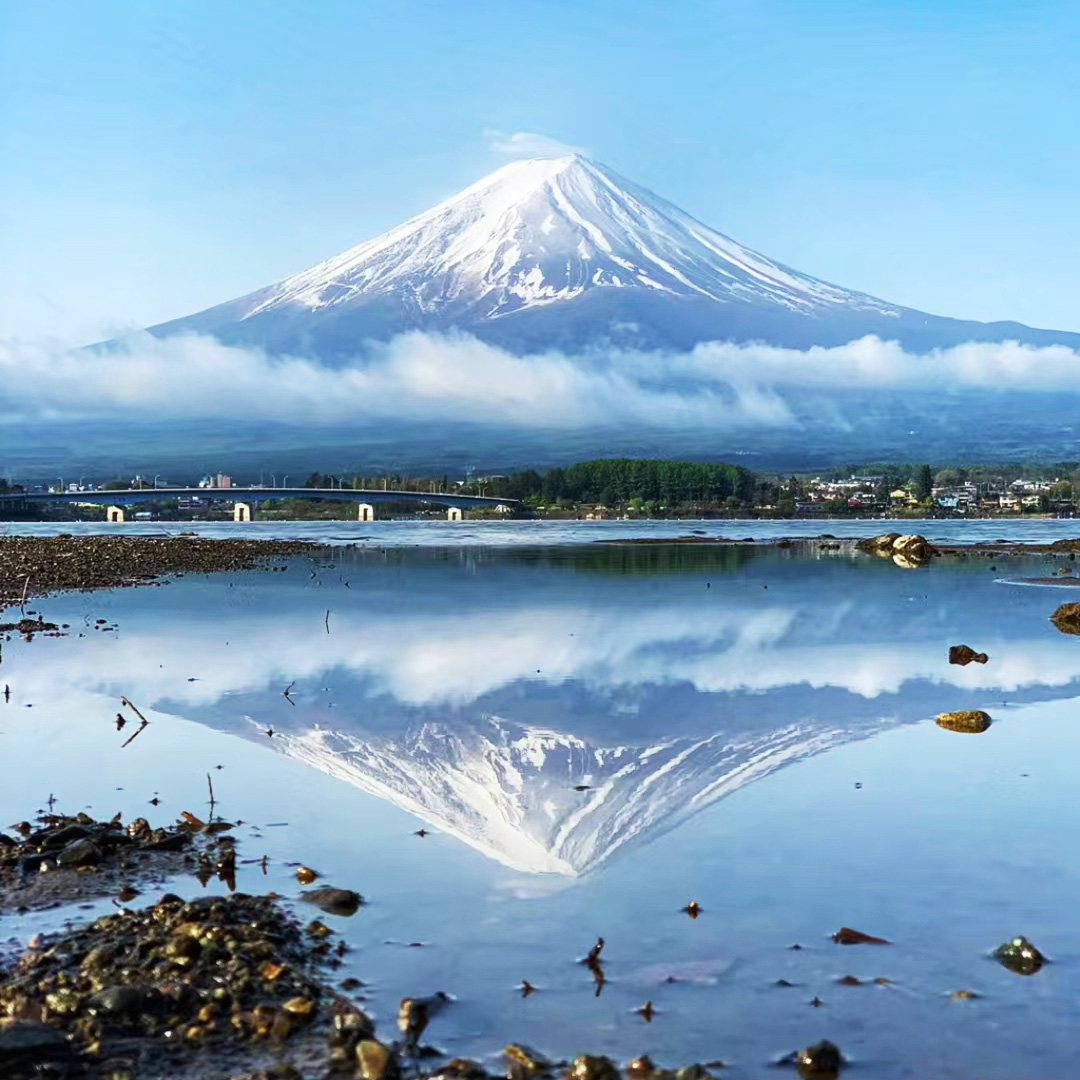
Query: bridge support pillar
{"points": [[454, 514], [365, 512], [241, 511], [114, 513]]}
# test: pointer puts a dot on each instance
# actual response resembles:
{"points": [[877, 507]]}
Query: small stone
{"points": [[641, 1068], [965, 654], [694, 1072], [971, 721], [318, 929], [343, 902], [119, 1001], [183, 949], [846, 936], [300, 1007], [305, 875], [963, 995], [63, 1002], [821, 1061], [588, 1067], [1020, 955], [525, 1062]]}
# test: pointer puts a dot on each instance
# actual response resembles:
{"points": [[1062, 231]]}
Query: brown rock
{"points": [[964, 655], [846, 936], [1067, 618], [971, 721], [333, 901], [376, 1061]]}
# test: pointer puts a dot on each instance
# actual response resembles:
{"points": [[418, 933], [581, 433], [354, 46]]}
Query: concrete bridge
{"points": [[243, 498]]}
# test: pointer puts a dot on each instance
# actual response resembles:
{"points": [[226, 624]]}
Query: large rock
{"points": [[1067, 618], [908, 550], [27, 1040]]}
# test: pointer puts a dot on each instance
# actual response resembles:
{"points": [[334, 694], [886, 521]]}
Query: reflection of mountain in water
{"points": [[510, 791], [478, 689]]}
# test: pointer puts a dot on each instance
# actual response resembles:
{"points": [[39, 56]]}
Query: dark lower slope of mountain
{"points": [[835, 428]]}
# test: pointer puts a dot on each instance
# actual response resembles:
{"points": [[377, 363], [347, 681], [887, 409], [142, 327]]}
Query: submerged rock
{"points": [[965, 654], [1020, 955], [971, 721], [846, 936], [525, 1063], [333, 901], [822, 1061], [1067, 618]]}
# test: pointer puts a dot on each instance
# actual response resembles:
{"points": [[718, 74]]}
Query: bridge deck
{"points": [[127, 497]]}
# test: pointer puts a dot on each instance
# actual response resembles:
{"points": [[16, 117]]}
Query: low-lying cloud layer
{"points": [[428, 377]]}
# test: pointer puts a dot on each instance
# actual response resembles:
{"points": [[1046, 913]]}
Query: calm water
{"points": [[754, 727], [437, 533]]}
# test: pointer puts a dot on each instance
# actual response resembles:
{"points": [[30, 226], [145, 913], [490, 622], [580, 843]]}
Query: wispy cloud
{"points": [[528, 144]]}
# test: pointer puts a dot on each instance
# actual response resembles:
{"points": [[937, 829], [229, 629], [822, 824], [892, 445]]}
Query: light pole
{"points": [[285, 480], [156, 475], [273, 479], [61, 479]]}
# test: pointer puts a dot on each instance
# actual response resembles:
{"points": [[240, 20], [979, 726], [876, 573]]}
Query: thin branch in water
{"points": [[210, 785], [135, 734], [126, 702], [22, 602], [327, 620]]}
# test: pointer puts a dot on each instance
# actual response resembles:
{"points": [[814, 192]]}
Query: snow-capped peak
{"points": [[544, 230]]}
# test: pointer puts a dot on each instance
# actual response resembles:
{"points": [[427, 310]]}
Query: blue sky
{"points": [[160, 158]]}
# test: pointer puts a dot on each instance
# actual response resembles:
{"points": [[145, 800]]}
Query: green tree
{"points": [[924, 483]]}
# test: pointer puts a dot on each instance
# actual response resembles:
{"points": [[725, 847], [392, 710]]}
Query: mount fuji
{"points": [[564, 253]]}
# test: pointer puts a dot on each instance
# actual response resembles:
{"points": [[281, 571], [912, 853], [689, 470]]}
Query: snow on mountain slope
{"points": [[564, 253], [509, 791], [540, 231]]}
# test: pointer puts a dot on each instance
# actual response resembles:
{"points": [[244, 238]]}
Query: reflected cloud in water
{"points": [[552, 709]]}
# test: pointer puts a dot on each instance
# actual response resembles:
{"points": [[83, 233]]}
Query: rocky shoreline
{"points": [[221, 987], [38, 566]]}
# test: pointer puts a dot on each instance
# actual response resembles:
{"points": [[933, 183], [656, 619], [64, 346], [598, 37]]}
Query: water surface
{"points": [[592, 736]]}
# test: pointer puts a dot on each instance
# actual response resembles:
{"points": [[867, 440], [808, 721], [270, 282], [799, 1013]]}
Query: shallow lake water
{"points": [[591, 736]]}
